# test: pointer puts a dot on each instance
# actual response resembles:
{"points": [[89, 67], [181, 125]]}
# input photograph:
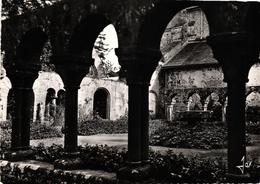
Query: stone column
{"points": [[71, 118], [21, 118], [22, 77], [138, 125], [72, 69], [236, 53], [140, 64]]}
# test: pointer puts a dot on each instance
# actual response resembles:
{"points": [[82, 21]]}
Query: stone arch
{"points": [[41, 85], [101, 103]]}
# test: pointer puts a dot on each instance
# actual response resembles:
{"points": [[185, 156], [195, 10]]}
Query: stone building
{"points": [[190, 78]]}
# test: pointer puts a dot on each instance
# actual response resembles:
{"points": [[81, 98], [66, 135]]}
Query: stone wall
{"points": [[45, 81], [180, 85], [118, 96]]}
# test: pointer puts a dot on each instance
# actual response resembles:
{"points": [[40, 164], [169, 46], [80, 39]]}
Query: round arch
{"points": [[101, 103]]}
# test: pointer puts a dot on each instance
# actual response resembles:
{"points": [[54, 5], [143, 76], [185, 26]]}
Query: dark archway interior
{"points": [[101, 104], [60, 98]]}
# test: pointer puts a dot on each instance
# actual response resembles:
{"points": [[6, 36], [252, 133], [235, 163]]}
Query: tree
{"points": [[12, 8]]}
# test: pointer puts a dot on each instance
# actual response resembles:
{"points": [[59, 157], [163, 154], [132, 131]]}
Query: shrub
{"points": [[168, 167], [253, 127], [103, 126], [5, 134], [37, 131], [202, 135], [42, 131]]}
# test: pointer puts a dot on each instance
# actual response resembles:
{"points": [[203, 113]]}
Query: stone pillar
{"points": [[140, 64], [71, 118], [138, 125], [21, 118], [22, 77], [72, 69], [236, 53]]}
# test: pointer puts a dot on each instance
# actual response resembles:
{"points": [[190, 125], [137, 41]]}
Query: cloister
{"points": [[72, 27]]}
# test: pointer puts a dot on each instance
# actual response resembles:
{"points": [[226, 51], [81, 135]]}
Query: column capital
{"points": [[72, 68], [139, 62], [236, 52], [22, 74]]}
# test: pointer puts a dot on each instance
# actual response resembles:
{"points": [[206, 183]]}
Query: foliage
{"points": [[5, 134], [37, 131], [179, 168], [43, 131], [155, 125], [168, 167], [11, 8], [103, 157], [102, 126], [48, 154], [203, 135], [253, 127], [38, 175]]}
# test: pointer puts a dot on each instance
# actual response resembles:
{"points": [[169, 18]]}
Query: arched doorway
{"points": [[49, 112], [101, 103]]}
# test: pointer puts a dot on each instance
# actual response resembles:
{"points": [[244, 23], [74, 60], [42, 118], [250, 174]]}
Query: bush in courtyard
{"points": [[253, 127], [103, 126], [5, 134], [43, 131], [168, 167], [203, 135], [37, 131]]}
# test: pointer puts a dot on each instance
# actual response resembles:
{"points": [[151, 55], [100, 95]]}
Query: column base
{"points": [[18, 155], [245, 178], [136, 172], [70, 161]]}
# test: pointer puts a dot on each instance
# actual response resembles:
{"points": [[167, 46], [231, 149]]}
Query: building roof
{"points": [[192, 55]]}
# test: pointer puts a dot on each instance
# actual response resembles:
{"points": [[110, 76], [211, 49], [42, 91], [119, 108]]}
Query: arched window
{"points": [[101, 106]]}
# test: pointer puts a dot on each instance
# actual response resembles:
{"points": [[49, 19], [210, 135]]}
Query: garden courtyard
{"points": [[102, 153], [121, 92]]}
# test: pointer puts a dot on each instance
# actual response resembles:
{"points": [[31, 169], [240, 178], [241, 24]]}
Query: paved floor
{"points": [[120, 141]]}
